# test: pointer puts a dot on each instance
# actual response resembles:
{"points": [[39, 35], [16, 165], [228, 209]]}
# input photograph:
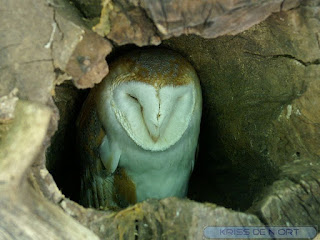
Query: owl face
{"points": [[153, 98], [154, 117]]}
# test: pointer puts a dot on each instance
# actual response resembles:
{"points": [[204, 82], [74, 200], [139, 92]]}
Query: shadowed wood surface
{"points": [[147, 22]]}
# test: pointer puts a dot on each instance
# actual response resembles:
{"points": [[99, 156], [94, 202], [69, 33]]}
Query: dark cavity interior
{"points": [[227, 172]]}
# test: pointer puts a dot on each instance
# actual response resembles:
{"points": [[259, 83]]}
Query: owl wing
{"points": [[109, 154], [196, 155], [97, 188]]}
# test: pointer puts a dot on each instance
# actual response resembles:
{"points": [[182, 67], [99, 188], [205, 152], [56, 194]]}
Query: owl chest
{"points": [[157, 174]]}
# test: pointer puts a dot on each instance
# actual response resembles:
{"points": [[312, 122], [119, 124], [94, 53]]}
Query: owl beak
{"points": [[155, 134], [157, 127], [154, 127], [154, 138]]}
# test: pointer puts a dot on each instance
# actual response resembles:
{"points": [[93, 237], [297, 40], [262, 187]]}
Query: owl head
{"points": [[153, 94]]}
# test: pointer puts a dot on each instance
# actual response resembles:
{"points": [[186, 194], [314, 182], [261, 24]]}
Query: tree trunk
{"points": [[259, 66]]}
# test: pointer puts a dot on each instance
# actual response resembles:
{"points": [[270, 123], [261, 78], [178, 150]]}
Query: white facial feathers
{"points": [[154, 118], [149, 96]]}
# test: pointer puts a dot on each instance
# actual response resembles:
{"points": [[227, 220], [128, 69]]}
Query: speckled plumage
{"points": [[138, 130]]}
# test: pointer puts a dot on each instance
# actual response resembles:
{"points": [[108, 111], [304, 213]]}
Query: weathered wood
{"points": [[294, 199], [24, 213], [145, 22], [21, 144], [34, 56], [170, 218]]}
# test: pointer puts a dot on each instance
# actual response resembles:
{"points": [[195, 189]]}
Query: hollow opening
{"points": [[226, 172]]}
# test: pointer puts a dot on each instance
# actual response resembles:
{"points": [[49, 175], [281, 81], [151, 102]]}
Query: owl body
{"points": [[146, 116]]}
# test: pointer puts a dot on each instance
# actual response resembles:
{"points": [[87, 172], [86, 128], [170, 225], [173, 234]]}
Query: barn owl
{"points": [[138, 130]]}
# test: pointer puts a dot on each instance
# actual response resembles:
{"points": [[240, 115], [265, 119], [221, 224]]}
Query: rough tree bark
{"points": [[44, 43]]}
